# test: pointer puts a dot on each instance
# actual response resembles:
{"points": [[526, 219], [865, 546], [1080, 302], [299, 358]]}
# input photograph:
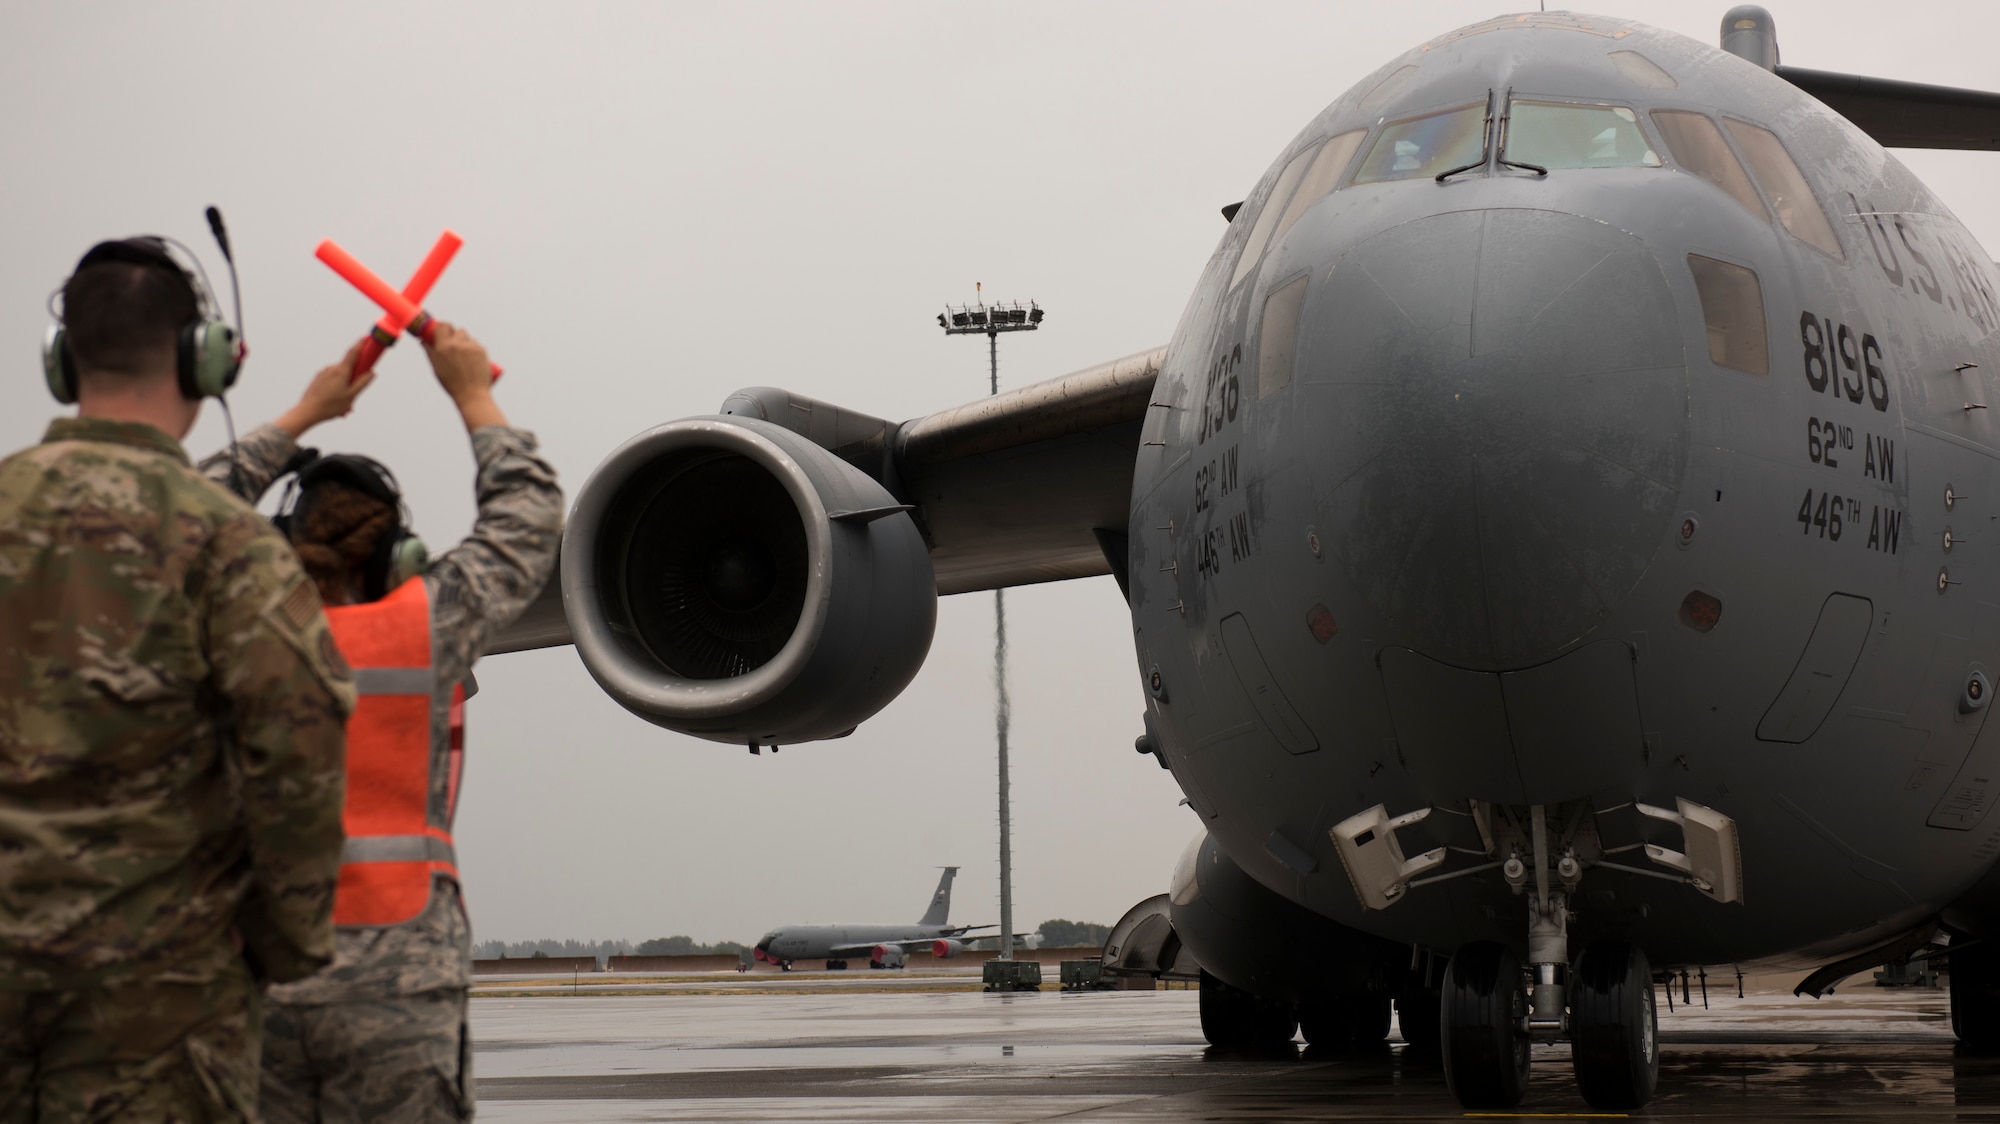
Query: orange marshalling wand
{"points": [[402, 310]]}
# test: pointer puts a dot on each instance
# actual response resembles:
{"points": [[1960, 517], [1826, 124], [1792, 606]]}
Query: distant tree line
{"points": [[548, 946], [1072, 934], [680, 945]]}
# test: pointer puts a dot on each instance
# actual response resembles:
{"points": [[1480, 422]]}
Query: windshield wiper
{"points": [[1485, 143], [1507, 116]]}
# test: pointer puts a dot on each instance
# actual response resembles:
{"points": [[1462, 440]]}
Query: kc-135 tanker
{"points": [[1562, 540]]}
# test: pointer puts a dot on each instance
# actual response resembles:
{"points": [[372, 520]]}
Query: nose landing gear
{"points": [[1494, 1006], [1494, 1009]]}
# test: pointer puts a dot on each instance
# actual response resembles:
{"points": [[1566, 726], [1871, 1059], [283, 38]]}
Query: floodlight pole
{"points": [[993, 321], [1001, 711]]}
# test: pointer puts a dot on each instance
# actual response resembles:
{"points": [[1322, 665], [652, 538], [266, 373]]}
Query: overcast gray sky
{"points": [[663, 202]]}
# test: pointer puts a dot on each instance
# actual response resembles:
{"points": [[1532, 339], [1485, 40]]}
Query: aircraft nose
{"points": [[1502, 402]]}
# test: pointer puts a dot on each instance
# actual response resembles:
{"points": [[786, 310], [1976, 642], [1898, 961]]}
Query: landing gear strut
{"points": [[1489, 1020]]}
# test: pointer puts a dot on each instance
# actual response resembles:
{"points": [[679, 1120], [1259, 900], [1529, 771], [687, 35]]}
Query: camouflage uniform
{"points": [[380, 1035], [172, 724]]}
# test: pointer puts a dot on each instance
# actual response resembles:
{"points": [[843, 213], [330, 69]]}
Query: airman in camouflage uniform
{"points": [[381, 1034], [172, 715]]}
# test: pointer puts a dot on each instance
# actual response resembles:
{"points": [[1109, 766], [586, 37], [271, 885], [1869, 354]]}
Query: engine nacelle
{"points": [[886, 956], [727, 578], [944, 948]]}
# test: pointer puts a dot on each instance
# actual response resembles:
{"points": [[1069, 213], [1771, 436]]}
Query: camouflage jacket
{"points": [[476, 588], [172, 722]]}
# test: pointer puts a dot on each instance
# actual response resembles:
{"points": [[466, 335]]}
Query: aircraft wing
{"points": [[866, 948], [1028, 486], [540, 625], [1906, 114]]}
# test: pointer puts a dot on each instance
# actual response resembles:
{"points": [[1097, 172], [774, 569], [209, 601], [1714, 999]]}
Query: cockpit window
{"points": [[1305, 181], [1642, 70], [1732, 304], [1785, 185], [1278, 340], [1427, 145], [1697, 145], [1561, 135], [1319, 179], [1260, 234]]}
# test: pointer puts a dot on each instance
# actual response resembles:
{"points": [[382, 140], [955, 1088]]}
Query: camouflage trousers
{"points": [[395, 1058], [152, 1051]]}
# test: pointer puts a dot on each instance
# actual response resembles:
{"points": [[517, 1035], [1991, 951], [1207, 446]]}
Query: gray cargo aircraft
{"points": [[883, 946], [1560, 541]]}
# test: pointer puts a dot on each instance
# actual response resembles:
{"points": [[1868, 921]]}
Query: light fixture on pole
{"points": [[989, 320]]}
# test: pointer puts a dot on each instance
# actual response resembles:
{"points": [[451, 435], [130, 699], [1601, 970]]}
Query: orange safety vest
{"points": [[402, 761]]}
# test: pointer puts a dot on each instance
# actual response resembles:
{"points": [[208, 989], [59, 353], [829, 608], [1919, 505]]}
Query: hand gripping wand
{"points": [[383, 335], [401, 310]]}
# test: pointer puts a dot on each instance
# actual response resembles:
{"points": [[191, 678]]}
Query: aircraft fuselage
{"points": [[1650, 478]]}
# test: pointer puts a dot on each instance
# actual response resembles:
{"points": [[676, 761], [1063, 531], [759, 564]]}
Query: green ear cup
{"points": [[55, 365], [211, 360], [410, 559]]}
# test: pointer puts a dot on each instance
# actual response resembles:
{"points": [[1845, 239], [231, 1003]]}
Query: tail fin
{"points": [[941, 901]]}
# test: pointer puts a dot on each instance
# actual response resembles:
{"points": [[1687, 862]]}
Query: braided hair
{"points": [[336, 533]]}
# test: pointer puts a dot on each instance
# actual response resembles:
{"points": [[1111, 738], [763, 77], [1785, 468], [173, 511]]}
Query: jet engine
{"points": [[886, 956], [945, 948], [727, 578]]}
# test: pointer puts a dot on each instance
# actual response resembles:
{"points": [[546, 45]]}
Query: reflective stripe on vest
{"points": [[398, 826]]}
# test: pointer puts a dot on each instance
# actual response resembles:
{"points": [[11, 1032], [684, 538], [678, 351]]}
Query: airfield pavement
{"points": [[929, 1046]]}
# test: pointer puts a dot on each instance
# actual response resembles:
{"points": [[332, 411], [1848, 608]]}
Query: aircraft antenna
{"points": [[980, 319]]}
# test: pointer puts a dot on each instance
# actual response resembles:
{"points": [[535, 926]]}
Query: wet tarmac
{"points": [[968, 1058]]}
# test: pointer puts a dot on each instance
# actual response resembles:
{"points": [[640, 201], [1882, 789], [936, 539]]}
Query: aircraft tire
{"points": [[1485, 1057], [1346, 1024], [1975, 997], [1417, 1016], [1232, 1019], [1614, 1026]]}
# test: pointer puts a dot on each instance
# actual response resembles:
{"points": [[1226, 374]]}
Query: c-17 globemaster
{"points": [[1558, 540], [883, 946]]}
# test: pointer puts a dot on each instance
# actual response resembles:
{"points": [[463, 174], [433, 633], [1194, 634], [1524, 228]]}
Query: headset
{"points": [[208, 353], [399, 556]]}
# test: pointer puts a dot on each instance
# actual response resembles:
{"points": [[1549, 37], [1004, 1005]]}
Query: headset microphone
{"points": [[221, 233]]}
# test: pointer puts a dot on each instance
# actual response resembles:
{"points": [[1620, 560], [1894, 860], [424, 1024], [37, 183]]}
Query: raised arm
{"points": [[485, 581], [262, 455]]}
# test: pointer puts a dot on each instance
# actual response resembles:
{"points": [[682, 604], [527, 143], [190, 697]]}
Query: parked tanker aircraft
{"points": [[883, 946], [1559, 540]]}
